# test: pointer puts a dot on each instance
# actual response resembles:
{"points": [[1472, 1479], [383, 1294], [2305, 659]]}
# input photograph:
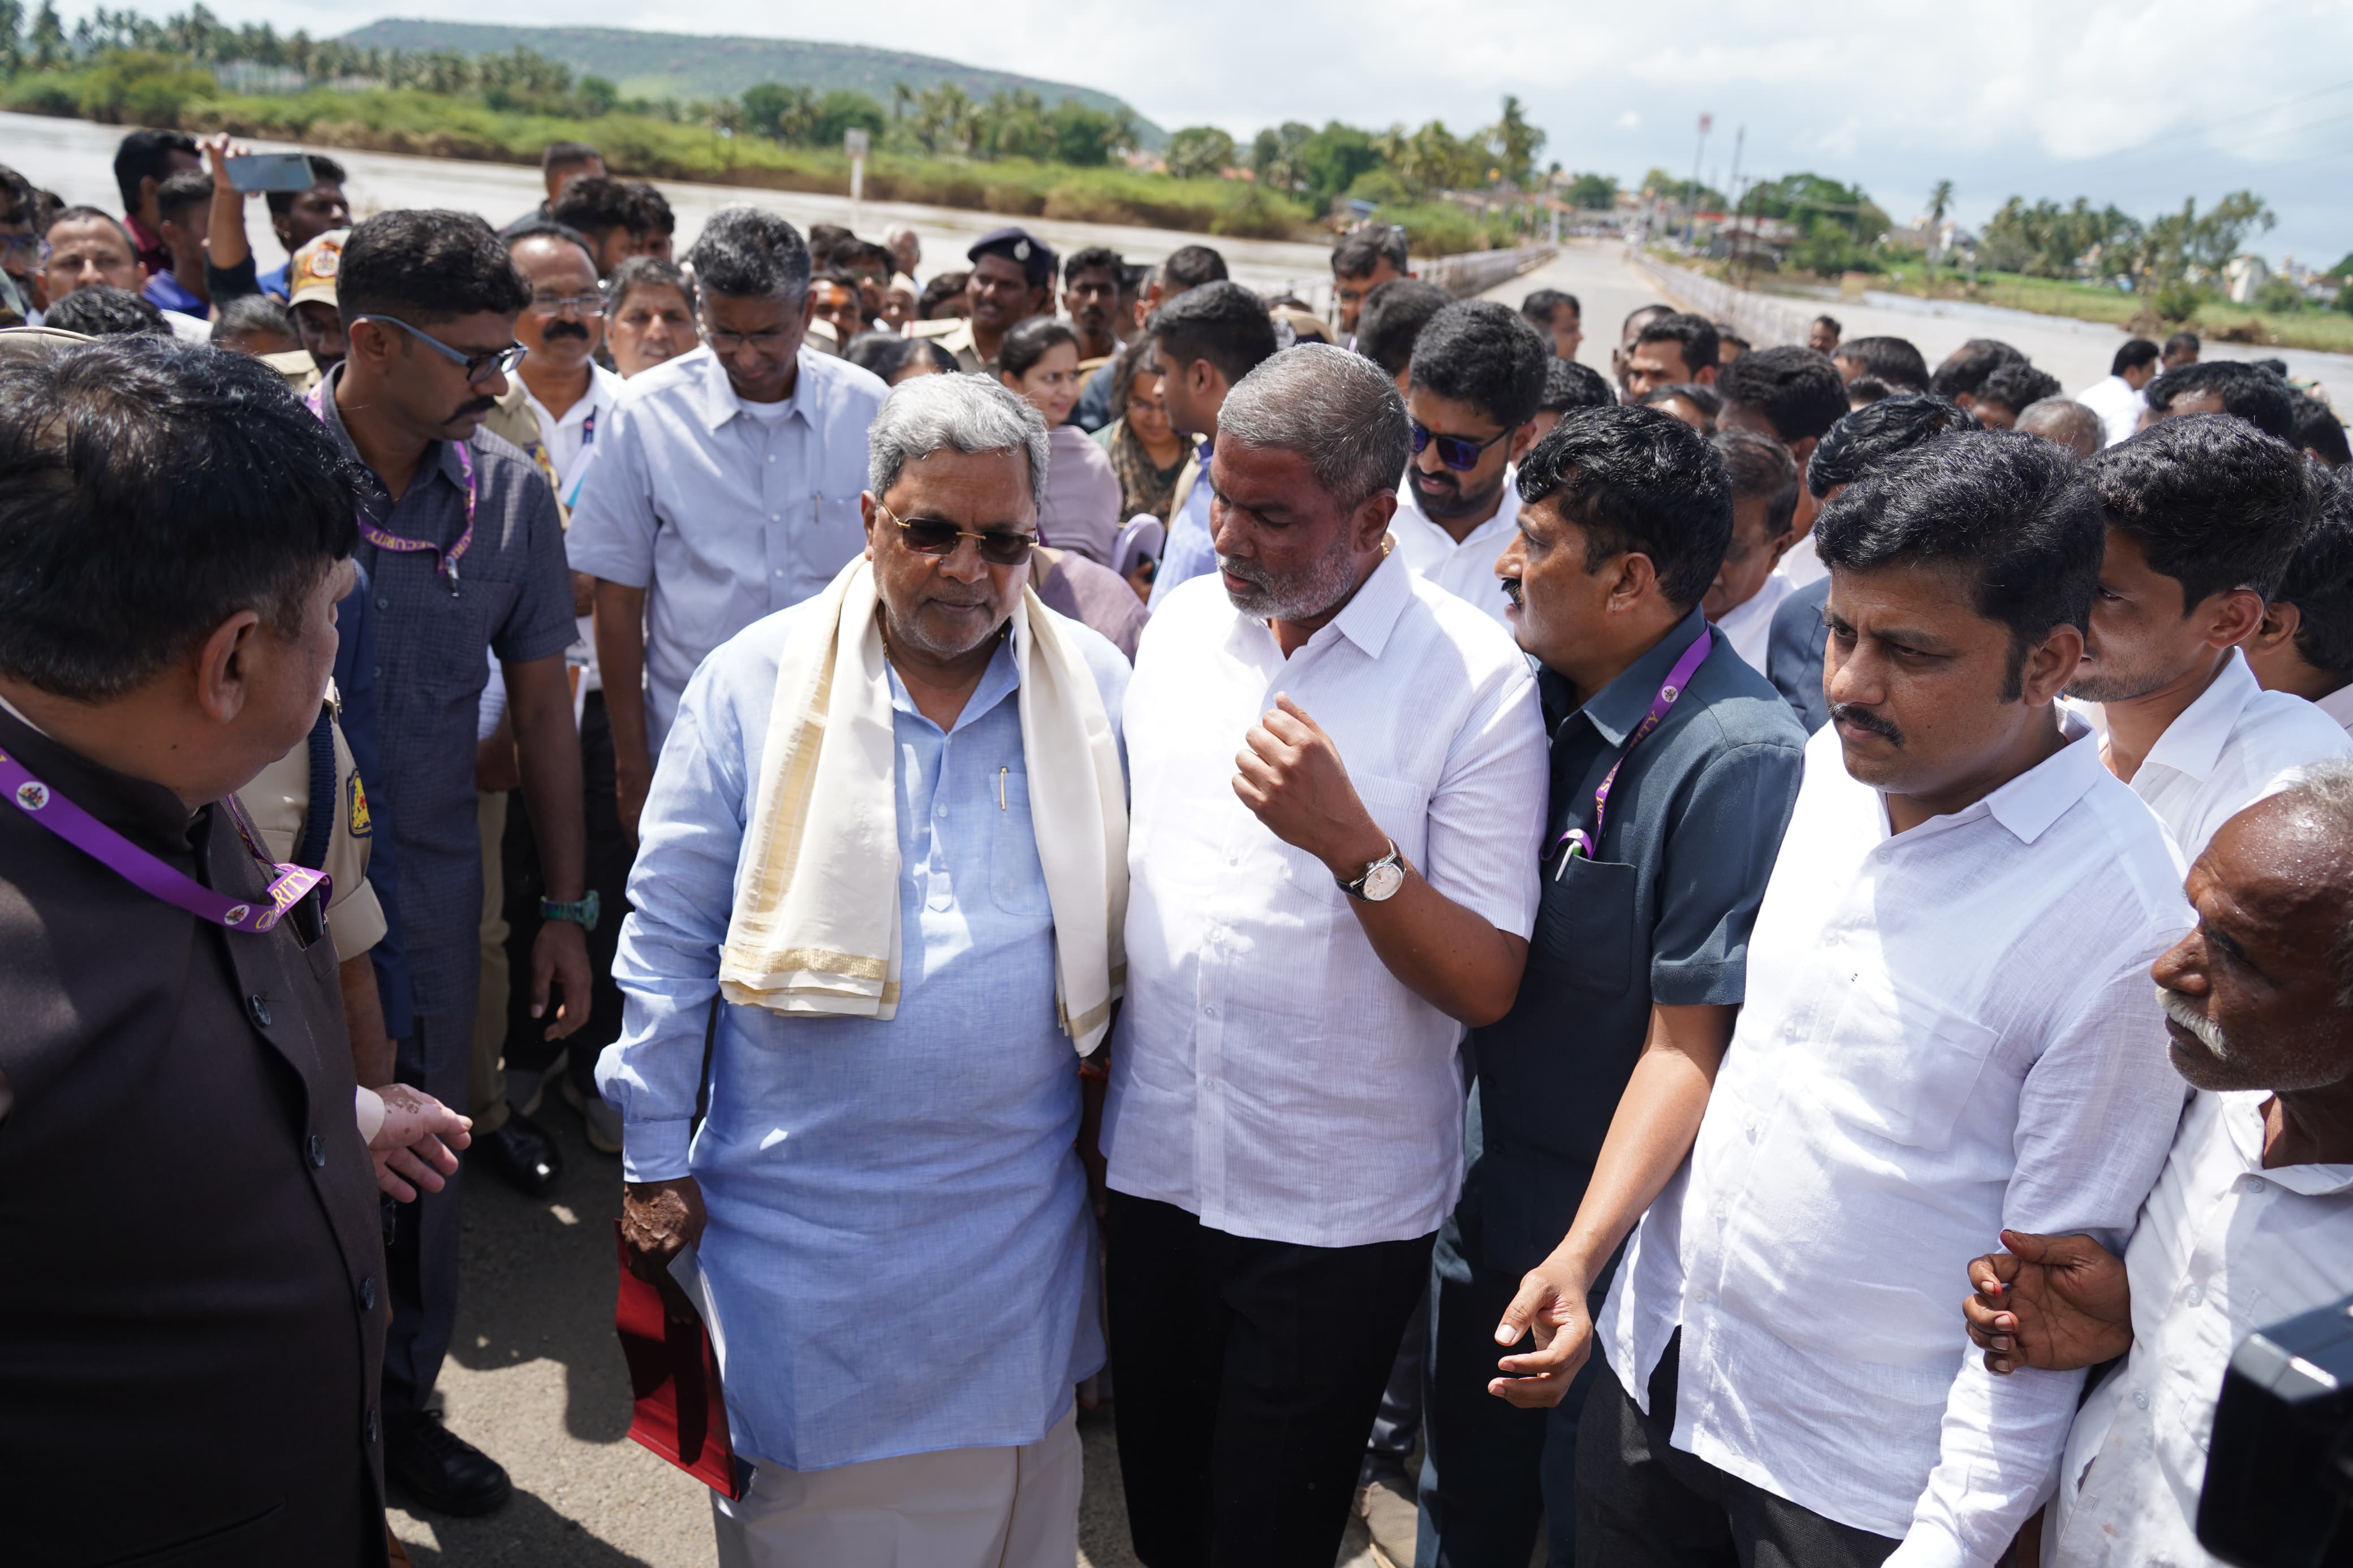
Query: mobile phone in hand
{"points": [[271, 171]]}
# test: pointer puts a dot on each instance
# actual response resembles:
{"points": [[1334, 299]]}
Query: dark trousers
{"points": [[1641, 1502], [1398, 1426], [528, 1049], [1492, 1474], [421, 1257], [1248, 1374]]}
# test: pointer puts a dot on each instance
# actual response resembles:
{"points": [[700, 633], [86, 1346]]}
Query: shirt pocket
{"points": [[1398, 806], [1017, 877], [1902, 1064], [1585, 928]]}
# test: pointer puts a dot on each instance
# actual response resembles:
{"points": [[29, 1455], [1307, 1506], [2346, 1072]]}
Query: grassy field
{"points": [[435, 125], [2313, 328]]}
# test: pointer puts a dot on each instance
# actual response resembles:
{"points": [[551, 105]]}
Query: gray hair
{"points": [[2066, 422], [968, 412], [1335, 408], [2323, 796]]}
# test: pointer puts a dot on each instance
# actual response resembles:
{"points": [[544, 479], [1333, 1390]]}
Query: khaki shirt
{"points": [[514, 421], [278, 802], [958, 341], [300, 371]]}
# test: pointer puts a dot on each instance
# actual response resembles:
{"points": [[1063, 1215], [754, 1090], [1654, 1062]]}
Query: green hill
{"points": [[690, 66]]}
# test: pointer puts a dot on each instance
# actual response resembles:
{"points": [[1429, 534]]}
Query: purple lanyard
{"points": [[144, 871], [1579, 841], [385, 539]]}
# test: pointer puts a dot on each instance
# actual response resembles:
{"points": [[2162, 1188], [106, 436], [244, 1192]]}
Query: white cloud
{"points": [[1630, 120]]}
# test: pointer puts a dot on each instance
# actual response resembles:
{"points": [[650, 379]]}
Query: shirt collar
{"points": [[604, 389], [1371, 614], [1618, 708], [2339, 705], [998, 681], [2193, 742], [2243, 1115], [2029, 803], [1507, 514], [442, 459], [137, 809]]}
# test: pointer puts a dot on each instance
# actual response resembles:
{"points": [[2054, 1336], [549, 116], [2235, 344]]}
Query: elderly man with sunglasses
{"points": [[883, 871], [464, 551], [728, 488]]}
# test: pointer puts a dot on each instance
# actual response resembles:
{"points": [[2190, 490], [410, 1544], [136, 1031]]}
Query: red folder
{"points": [[674, 1378]]}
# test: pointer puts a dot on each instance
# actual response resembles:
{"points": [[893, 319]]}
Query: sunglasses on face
{"points": [[1457, 452], [932, 536], [478, 367]]}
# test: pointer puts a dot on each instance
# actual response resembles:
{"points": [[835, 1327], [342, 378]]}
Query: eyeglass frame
{"points": [[592, 303], [478, 368], [980, 539], [1423, 436], [773, 338]]}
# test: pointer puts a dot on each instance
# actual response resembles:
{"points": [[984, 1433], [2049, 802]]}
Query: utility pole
{"points": [[1691, 206], [1739, 141]]}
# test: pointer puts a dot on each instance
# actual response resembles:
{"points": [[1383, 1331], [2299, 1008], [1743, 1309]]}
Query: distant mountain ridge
{"points": [[688, 65]]}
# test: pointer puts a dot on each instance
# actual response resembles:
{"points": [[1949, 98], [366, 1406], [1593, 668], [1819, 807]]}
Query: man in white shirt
{"points": [[1339, 776], [2251, 1222], [1793, 395], [2117, 398], [2305, 646], [1473, 387], [1749, 585], [1947, 1023], [559, 381], [2204, 514], [728, 487]]}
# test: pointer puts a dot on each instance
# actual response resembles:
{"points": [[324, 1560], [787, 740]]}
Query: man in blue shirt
{"points": [[1641, 937], [842, 859], [1206, 341]]}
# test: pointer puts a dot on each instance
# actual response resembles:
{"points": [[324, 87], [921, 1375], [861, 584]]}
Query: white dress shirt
{"points": [[1466, 570], [1270, 1075], [1748, 626], [2233, 747], [2118, 405], [1948, 1031], [571, 441], [723, 511], [2339, 706], [2224, 1247]]}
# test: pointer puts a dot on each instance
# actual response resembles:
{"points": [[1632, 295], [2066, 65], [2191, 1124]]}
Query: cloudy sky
{"points": [[2140, 104]]}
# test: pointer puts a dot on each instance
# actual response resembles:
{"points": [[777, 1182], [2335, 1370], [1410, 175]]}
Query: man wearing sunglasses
{"points": [[728, 485], [888, 836], [464, 553], [1475, 381]]}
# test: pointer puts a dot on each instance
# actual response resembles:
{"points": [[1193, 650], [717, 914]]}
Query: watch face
{"points": [[1383, 881]]}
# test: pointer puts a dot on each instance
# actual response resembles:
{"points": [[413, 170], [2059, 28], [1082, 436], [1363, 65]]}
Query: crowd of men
{"points": [[1354, 888]]}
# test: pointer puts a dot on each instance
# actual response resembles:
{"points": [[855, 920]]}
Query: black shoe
{"points": [[441, 1470], [522, 1154]]}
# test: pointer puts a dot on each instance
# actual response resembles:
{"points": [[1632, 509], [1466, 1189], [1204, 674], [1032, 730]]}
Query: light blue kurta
{"points": [[899, 1255]]}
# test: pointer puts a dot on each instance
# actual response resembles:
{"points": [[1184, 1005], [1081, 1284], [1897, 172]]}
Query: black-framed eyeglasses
{"points": [[1457, 452], [729, 345], [933, 536], [478, 367]]}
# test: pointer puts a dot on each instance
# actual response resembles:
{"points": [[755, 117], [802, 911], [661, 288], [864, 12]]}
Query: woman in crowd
{"points": [[1146, 453], [1080, 508], [649, 311]]}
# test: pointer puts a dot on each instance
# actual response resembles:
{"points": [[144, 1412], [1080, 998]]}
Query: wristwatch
{"points": [[582, 914], [1381, 879]]}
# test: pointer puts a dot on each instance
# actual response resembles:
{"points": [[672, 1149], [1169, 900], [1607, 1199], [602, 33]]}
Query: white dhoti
{"points": [[960, 1508]]}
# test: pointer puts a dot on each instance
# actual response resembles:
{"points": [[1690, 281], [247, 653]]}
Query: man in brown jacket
{"points": [[192, 1316]]}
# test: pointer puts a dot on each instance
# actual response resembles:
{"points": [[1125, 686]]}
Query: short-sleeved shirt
{"points": [[1660, 915], [515, 598], [278, 799], [724, 511]]}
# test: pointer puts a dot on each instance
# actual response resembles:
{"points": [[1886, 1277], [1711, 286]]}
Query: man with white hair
{"points": [[2251, 1221], [1341, 777], [841, 861]]}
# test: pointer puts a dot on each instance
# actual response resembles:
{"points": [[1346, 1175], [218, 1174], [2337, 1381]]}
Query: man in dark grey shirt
{"points": [[464, 550], [1638, 960]]}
